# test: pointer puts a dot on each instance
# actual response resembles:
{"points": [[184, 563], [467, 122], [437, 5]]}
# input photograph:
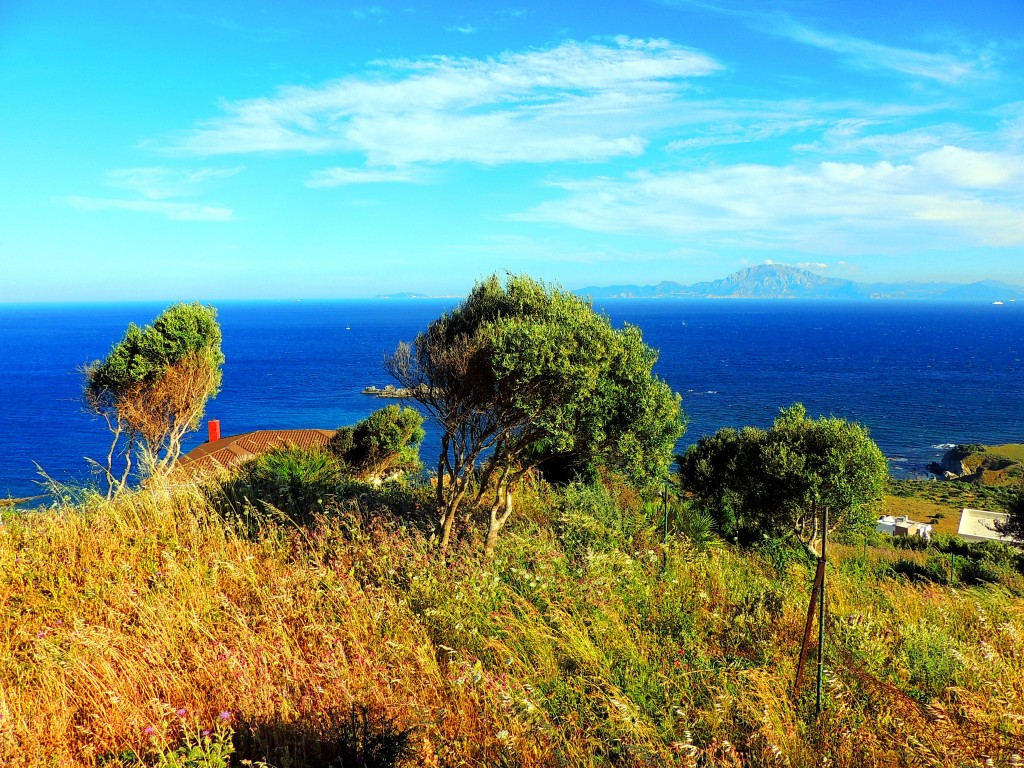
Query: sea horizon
{"points": [[907, 369]]}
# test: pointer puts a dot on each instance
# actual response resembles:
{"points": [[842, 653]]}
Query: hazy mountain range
{"points": [[778, 281]]}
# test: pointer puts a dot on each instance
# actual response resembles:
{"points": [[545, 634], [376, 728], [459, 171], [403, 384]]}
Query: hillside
{"points": [[987, 465], [129, 629], [779, 281]]}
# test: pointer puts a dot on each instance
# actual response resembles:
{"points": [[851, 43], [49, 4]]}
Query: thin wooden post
{"points": [[808, 626]]}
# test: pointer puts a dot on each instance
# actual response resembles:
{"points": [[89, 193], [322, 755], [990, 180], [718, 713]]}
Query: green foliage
{"points": [[963, 450], [955, 493], [693, 522], [522, 373], [199, 750], [770, 482], [153, 386], [386, 441], [1014, 527], [144, 354], [590, 519], [295, 482]]}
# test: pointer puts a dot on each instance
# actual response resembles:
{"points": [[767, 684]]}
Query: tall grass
{"points": [[126, 625]]}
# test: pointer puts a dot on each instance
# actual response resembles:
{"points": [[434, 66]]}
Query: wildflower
{"points": [[224, 716], [149, 730], [181, 712], [206, 732]]}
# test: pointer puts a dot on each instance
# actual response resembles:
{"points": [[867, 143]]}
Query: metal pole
{"points": [[664, 537], [821, 606]]}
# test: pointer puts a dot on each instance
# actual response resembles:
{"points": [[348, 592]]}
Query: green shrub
{"points": [[782, 551], [297, 483], [913, 543], [590, 519], [385, 442], [693, 522]]}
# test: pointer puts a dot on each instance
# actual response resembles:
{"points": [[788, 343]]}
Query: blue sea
{"points": [[920, 376]]}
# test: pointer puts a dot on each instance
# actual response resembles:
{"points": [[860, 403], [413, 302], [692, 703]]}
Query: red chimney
{"points": [[214, 427]]}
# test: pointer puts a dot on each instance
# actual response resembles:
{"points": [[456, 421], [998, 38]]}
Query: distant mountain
{"points": [[408, 295], [779, 281]]}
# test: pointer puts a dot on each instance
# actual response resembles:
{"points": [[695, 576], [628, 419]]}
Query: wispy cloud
{"points": [[575, 102], [943, 199], [169, 210], [160, 182], [943, 67], [465, 29], [337, 177]]}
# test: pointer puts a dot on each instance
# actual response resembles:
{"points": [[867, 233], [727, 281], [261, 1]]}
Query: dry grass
{"points": [[923, 510], [154, 613]]}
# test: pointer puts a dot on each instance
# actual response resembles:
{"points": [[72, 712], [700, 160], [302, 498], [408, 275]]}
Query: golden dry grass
{"points": [[115, 618]]}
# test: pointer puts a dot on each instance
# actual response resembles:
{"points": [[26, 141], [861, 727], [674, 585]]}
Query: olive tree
{"points": [[522, 371], [153, 386], [768, 482]]}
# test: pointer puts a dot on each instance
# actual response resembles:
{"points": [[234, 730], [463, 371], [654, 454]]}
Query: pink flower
{"points": [[224, 716], [181, 712]]}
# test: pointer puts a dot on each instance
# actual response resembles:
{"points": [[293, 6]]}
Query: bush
{"points": [[913, 543], [696, 524], [782, 551], [932, 571], [385, 442], [590, 519], [296, 482]]}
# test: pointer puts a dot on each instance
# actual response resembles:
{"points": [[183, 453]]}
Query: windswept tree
{"points": [[758, 482], [521, 372], [153, 386]]}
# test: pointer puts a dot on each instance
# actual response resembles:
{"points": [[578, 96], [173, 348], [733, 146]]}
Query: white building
{"points": [[980, 525], [903, 526]]}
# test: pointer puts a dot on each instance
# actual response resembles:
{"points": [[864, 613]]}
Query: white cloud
{"points": [[578, 101], [969, 169], [172, 211], [160, 182], [465, 29], [864, 54], [941, 199], [337, 177]]}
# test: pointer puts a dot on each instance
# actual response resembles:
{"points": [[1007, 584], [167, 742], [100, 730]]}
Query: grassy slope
{"points": [[114, 618]]}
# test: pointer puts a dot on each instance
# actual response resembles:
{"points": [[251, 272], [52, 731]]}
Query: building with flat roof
{"points": [[980, 525]]}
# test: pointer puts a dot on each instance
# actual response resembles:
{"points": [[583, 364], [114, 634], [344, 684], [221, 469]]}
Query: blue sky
{"points": [[229, 150]]}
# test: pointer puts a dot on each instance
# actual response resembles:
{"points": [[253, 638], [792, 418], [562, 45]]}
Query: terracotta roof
{"points": [[229, 451]]}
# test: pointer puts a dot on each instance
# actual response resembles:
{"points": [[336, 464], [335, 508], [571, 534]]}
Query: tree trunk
{"points": [[451, 510], [497, 522]]}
